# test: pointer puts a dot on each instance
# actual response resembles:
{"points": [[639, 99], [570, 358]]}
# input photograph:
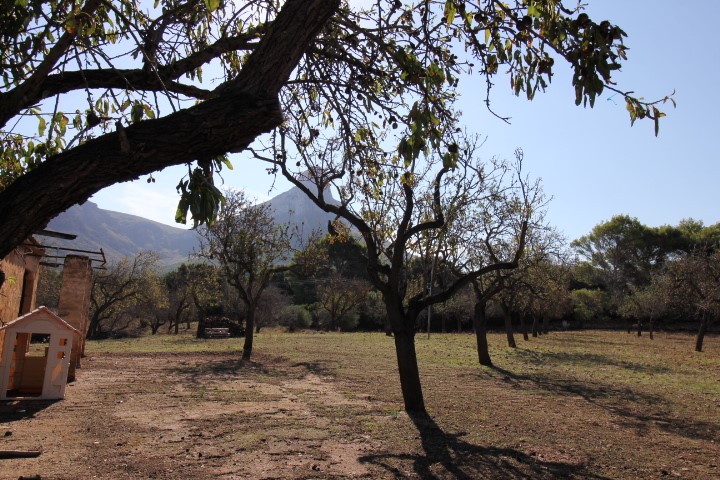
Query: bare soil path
{"points": [[188, 417]]}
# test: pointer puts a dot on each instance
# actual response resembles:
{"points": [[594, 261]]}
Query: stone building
{"points": [[20, 280]]}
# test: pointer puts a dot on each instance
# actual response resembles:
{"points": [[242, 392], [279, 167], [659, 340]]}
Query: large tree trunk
{"points": [[201, 324], [244, 108], [523, 326], [534, 326], [701, 334], [508, 325], [388, 327], [93, 325], [249, 331], [639, 328], [480, 324], [403, 325], [651, 327], [409, 373]]}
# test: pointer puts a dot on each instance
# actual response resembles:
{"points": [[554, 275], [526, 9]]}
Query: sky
{"points": [[591, 162]]}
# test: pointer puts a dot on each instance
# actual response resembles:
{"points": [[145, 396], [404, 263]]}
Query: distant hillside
{"points": [[123, 235], [295, 207]]}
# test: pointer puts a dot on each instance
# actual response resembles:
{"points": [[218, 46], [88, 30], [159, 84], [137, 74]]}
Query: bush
{"points": [[294, 317]]}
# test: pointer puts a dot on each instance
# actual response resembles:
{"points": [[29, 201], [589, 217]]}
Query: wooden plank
{"points": [[5, 454]]}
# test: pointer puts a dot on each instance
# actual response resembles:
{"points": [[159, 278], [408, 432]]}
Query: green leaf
{"points": [[182, 209], [227, 163], [212, 5], [450, 12], [42, 125], [631, 109], [136, 114], [62, 122], [148, 111], [449, 160]]}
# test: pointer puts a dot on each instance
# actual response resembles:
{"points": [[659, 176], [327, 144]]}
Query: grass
{"points": [[582, 404], [668, 362]]}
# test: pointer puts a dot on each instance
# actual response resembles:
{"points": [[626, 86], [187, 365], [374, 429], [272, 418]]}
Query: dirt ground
{"points": [[179, 417], [204, 415]]}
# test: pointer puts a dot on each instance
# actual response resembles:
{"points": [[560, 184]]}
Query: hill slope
{"points": [[123, 235]]}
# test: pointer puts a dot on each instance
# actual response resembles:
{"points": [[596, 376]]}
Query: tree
{"points": [[326, 259], [645, 304], [588, 304], [339, 298], [294, 317], [48, 290], [692, 285], [501, 224], [622, 255], [553, 301], [394, 205], [544, 279], [180, 301], [314, 62], [154, 304], [205, 289], [250, 249], [116, 290], [271, 307]]}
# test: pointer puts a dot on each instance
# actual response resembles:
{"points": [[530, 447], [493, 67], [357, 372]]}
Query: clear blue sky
{"points": [[591, 161]]}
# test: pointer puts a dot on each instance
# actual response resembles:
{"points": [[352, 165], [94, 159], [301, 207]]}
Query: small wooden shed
{"points": [[35, 355]]}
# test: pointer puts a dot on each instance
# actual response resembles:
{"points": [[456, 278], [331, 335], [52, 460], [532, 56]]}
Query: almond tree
{"points": [[118, 289], [395, 204], [339, 297], [538, 287], [250, 248], [501, 225], [692, 285]]}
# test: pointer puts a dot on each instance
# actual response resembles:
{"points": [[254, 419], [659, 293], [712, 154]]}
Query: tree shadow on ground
{"points": [[315, 367], [232, 366], [14, 410], [225, 367], [447, 456], [637, 410], [580, 358]]}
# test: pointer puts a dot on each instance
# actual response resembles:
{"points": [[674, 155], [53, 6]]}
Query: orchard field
{"points": [[581, 404]]}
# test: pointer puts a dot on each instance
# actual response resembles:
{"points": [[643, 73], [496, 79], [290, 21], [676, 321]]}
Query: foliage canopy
{"points": [[104, 92]]}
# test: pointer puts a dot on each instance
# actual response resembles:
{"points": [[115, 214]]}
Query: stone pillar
{"points": [[75, 303]]}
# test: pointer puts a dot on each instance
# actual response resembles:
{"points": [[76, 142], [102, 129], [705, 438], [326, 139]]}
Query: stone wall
{"points": [[18, 292], [75, 302], [11, 290]]}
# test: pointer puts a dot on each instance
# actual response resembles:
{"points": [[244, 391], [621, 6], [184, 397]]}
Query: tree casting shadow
{"points": [[445, 455], [638, 410]]}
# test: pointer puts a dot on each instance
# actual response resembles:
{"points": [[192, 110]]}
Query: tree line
{"points": [[621, 274]]}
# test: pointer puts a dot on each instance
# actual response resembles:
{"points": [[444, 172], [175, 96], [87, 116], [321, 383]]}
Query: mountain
{"points": [[296, 208], [123, 235]]}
